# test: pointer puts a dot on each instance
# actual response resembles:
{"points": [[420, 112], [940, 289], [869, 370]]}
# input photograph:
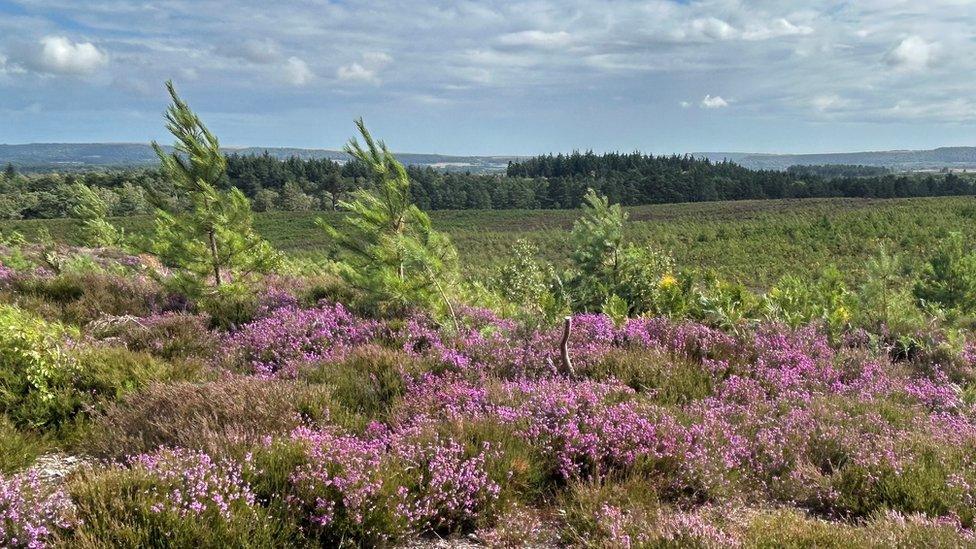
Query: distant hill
{"points": [[86, 156], [943, 157]]}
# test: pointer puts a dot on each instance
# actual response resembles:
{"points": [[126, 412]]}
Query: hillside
{"points": [[942, 157], [83, 156]]}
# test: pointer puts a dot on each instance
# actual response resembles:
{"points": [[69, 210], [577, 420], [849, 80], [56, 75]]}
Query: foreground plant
{"points": [[31, 514]]}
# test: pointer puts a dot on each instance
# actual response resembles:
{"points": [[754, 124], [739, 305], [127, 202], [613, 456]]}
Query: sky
{"points": [[498, 77]]}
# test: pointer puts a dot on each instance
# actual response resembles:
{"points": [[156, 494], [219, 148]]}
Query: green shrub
{"points": [[785, 528], [18, 449], [81, 297], [668, 379], [33, 367], [949, 276], [170, 336], [366, 383], [230, 305]]}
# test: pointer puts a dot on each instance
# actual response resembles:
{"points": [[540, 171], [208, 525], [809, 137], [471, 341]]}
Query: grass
{"points": [[754, 241]]}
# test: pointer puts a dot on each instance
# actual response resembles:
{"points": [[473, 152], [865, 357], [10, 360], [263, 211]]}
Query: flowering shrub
{"points": [[30, 514], [448, 490], [192, 483], [584, 429], [387, 483], [279, 344]]}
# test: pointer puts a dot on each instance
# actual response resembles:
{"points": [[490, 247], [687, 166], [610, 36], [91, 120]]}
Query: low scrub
{"points": [[215, 417]]}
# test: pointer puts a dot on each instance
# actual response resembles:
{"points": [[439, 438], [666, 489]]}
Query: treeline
{"points": [[544, 182]]}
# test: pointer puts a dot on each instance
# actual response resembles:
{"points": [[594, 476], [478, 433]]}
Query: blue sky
{"points": [[498, 77]]}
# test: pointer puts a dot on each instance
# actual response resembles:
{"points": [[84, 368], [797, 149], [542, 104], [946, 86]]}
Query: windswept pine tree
{"points": [[212, 242], [387, 246]]}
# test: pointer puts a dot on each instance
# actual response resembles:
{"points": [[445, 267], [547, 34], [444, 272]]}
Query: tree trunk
{"points": [[564, 348], [215, 257]]}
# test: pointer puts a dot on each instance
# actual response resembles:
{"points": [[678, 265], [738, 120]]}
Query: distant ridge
{"points": [[38, 156], [943, 157], [81, 156]]}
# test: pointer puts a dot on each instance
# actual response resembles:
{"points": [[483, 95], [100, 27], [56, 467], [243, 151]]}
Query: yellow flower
{"points": [[842, 313], [667, 282]]}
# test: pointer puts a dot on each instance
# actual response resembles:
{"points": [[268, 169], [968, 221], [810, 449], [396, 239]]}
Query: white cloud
{"points": [[714, 28], [354, 72], [59, 55], [685, 104], [713, 102], [365, 71], [376, 59], [913, 54], [297, 72], [536, 39], [775, 29]]}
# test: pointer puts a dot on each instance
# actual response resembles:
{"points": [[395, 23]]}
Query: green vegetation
{"points": [[753, 242], [368, 394], [212, 237]]}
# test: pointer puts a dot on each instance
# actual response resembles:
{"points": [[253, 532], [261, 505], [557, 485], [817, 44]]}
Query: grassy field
{"points": [[754, 242]]}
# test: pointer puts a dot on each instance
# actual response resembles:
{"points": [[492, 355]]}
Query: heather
{"points": [[221, 395], [312, 424]]}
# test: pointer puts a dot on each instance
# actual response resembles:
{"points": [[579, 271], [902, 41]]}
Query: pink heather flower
{"points": [[289, 337], [30, 513], [193, 483]]}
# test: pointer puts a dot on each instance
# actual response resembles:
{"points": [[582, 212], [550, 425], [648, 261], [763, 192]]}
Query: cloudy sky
{"points": [[498, 77]]}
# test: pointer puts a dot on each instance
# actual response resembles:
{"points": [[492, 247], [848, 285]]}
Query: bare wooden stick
{"points": [[564, 347]]}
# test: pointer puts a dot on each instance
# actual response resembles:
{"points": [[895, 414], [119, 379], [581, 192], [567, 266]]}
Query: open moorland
{"points": [[752, 241], [753, 373]]}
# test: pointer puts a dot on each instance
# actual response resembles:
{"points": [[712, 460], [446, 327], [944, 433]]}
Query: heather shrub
{"points": [[666, 378], [377, 487], [584, 428], [31, 514], [172, 498], [338, 486], [166, 335], [289, 338], [366, 382], [443, 486], [219, 417]]}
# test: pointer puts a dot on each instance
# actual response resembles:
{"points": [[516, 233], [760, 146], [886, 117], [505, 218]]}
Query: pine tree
{"points": [[92, 211], [213, 240], [387, 245], [10, 172]]}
